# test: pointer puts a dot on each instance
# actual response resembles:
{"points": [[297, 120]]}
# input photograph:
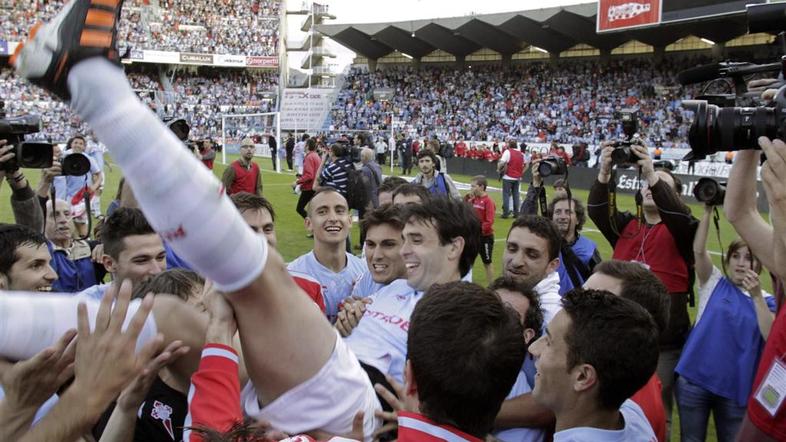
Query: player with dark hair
{"points": [[132, 250], [532, 256], [596, 353], [386, 189], [25, 262], [410, 193], [632, 281]]}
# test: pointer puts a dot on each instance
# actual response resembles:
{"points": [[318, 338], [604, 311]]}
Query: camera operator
{"points": [[74, 184], [23, 201], [662, 242]]}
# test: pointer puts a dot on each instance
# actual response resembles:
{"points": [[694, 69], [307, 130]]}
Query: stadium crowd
{"points": [[240, 27], [200, 97], [536, 102], [143, 339]]}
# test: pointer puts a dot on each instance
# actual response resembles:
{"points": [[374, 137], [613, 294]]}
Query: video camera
{"points": [[622, 153], [735, 122], [27, 154]]}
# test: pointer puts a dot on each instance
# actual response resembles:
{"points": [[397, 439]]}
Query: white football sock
{"points": [[181, 198], [32, 321]]}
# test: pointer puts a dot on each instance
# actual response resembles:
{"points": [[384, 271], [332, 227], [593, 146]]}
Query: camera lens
{"points": [[75, 164], [709, 191], [551, 166], [623, 155], [730, 128]]}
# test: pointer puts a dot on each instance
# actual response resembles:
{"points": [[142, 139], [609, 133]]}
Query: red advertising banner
{"points": [[619, 15], [261, 62]]}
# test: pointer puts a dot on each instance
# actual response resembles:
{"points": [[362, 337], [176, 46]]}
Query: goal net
{"points": [[261, 128]]}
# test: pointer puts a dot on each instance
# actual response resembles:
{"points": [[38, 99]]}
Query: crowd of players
{"points": [[239, 27], [394, 345], [536, 102]]}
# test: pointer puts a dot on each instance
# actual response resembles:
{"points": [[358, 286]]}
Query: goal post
{"points": [[260, 126]]}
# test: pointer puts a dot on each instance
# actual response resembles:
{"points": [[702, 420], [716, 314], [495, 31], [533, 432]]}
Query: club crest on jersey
{"points": [[163, 412]]}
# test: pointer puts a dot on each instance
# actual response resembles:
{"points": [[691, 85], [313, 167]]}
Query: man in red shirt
{"points": [[243, 174], [311, 164], [485, 210], [632, 281]]}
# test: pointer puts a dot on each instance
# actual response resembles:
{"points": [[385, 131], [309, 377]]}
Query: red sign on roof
{"points": [[619, 15]]}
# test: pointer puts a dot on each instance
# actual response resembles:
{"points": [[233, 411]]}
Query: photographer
{"points": [[89, 182], [23, 201], [661, 241]]}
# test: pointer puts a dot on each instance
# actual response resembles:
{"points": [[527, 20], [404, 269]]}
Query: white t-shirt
{"points": [[550, 299], [523, 434], [637, 429], [336, 286], [380, 339]]}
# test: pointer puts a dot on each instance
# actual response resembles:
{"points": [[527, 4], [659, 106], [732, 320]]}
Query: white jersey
{"points": [[336, 286], [380, 339], [366, 286], [523, 434], [637, 429], [550, 299]]}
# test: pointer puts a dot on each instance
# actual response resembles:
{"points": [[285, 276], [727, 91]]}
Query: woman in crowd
{"points": [[719, 360]]}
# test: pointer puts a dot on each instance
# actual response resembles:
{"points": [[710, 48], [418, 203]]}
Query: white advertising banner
{"points": [[305, 108]]}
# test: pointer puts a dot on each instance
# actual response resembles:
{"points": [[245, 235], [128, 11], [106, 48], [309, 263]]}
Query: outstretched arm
{"points": [[740, 209]]}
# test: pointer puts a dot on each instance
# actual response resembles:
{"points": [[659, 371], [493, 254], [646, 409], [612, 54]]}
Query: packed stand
{"points": [[201, 98], [537, 102], [247, 27], [240, 27]]}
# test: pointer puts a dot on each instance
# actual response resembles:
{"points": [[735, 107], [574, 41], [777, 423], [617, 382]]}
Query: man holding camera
{"points": [[660, 240], [77, 185]]}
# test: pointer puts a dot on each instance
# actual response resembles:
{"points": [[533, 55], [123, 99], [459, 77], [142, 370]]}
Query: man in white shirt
{"points": [[441, 241], [596, 353]]}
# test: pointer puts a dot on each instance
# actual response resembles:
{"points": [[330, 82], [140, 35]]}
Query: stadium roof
{"points": [[553, 29]]}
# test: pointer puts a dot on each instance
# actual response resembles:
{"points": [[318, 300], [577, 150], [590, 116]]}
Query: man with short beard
{"points": [[532, 256], [243, 175]]}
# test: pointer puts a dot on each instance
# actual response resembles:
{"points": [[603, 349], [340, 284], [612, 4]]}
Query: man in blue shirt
{"points": [[71, 258], [578, 254]]}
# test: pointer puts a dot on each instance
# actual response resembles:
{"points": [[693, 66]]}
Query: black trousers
{"points": [[305, 197]]}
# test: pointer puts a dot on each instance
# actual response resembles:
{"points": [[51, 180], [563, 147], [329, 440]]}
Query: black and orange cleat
{"points": [[83, 29]]}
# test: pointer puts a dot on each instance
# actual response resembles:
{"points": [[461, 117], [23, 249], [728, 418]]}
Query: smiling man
{"points": [[132, 250], [441, 241], [532, 256], [578, 254], [329, 220], [596, 353], [25, 262], [383, 243], [71, 258]]}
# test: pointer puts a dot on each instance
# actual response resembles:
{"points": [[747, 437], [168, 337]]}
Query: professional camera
{"points": [[27, 154], [738, 127], [552, 165], [710, 192], [74, 164], [622, 153]]}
